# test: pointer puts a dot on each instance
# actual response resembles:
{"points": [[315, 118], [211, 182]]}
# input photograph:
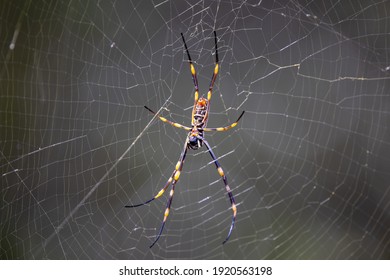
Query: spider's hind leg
{"points": [[216, 69]]}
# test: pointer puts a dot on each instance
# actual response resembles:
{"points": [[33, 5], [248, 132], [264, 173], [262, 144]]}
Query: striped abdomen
{"points": [[200, 116]]}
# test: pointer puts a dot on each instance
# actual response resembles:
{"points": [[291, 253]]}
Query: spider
{"points": [[195, 139]]}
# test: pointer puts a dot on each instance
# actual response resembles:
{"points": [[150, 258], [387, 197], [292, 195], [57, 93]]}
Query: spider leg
{"points": [[175, 177], [172, 180], [229, 192], [226, 127], [216, 69], [166, 213], [160, 193], [194, 77], [192, 68], [168, 121]]}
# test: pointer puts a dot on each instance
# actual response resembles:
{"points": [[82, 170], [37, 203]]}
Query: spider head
{"points": [[194, 142]]}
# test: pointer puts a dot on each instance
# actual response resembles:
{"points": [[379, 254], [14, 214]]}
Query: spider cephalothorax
{"points": [[195, 140]]}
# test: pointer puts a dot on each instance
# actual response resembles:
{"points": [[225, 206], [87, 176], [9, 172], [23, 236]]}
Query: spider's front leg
{"points": [[178, 169], [172, 180], [228, 190]]}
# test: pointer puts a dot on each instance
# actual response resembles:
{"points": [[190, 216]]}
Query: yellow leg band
{"points": [[192, 69], [234, 208], [177, 175], [216, 69], [209, 95], [166, 214], [220, 171], [160, 193]]}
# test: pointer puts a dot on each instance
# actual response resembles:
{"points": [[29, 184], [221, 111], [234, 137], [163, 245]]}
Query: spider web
{"points": [[308, 163]]}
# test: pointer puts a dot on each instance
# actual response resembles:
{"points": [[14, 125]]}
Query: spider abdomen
{"points": [[200, 113]]}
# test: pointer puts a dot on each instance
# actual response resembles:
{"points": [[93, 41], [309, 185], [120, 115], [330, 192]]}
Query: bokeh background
{"points": [[308, 163]]}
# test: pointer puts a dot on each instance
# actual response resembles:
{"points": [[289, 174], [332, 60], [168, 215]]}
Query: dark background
{"points": [[308, 163]]}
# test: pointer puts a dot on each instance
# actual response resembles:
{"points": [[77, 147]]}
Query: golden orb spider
{"points": [[195, 139]]}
